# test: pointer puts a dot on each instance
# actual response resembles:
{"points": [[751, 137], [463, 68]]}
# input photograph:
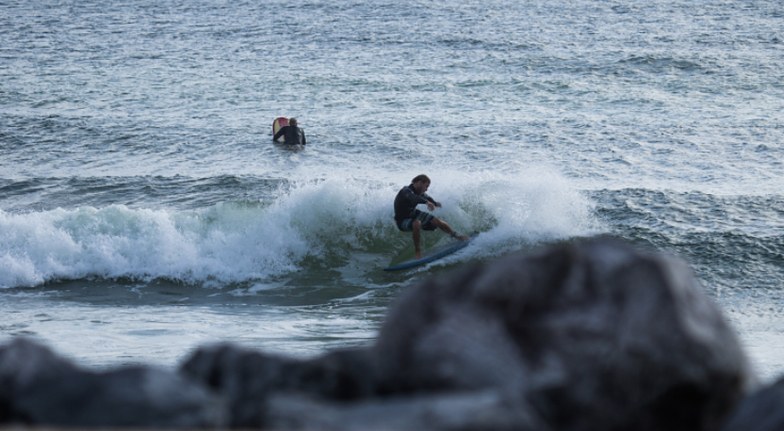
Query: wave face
{"points": [[317, 226]]}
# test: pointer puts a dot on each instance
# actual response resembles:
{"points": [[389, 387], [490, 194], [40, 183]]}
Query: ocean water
{"points": [[144, 210]]}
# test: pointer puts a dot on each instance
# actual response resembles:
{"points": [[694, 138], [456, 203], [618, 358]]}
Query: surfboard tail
{"points": [[431, 255]]}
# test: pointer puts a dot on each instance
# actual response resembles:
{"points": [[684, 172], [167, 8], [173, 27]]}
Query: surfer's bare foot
{"points": [[419, 255], [460, 237]]}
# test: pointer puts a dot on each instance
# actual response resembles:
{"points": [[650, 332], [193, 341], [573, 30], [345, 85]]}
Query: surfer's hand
{"points": [[430, 206], [438, 204]]}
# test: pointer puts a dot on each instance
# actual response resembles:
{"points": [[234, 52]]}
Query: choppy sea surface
{"points": [[144, 210]]}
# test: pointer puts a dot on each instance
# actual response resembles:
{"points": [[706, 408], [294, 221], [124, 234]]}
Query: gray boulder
{"points": [[762, 411], [474, 410], [39, 388], [596, 336], [249, 378]]}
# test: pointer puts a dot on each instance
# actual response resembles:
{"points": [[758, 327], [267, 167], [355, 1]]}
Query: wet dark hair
{"points": [[419, 178]]}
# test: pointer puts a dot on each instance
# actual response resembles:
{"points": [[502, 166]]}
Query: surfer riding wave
{"points": [[409, 219]]}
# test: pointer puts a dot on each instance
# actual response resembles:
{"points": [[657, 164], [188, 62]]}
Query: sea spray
{"points": [[319, 223]]}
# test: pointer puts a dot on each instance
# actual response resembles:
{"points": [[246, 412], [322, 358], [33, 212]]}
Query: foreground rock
{"points": [[38, 388], [590, 337], [596, 336], [762, 411]]}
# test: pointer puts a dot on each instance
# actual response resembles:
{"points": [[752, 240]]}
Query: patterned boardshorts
{"points": [[423, 216]]}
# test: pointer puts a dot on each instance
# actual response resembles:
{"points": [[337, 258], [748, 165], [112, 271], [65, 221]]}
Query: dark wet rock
{"points": [[249, 378], [762, 411], [595, 336], [39, 388], [475, 410], [336, 391]]}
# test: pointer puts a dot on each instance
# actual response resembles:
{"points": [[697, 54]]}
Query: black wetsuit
{"points": [[294, 135], [406, 201]]}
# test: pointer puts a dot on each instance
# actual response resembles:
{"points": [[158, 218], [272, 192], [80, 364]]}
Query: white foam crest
{"points": [[227, 243], [337, 207], [514, 210], [241, 241], [542, 207], [531, 204], [534, 201]]}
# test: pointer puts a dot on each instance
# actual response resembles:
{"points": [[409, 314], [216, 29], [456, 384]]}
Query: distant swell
{"points": [[733, 242]]}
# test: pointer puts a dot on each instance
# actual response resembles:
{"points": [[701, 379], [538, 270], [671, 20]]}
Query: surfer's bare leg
{"points": [[416, 227], [445, 227]]}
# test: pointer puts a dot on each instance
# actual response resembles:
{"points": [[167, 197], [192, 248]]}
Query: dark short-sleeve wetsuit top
{"points": [[406, 202]]}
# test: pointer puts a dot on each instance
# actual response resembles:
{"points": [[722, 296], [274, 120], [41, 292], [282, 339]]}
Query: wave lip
{"points": [[217, 244], [315, 226]]}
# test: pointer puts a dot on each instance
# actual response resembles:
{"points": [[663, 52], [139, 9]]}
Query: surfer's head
{"points": [[292, 121], [420, 178], [421, 183]]}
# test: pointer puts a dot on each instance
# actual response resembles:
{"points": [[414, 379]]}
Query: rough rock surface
{"points": [[595, 336], [248, 378], [39, 388], [762, 411]]}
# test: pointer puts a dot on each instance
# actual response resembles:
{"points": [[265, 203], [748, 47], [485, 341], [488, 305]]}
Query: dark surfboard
{"points": [[403, 261]]}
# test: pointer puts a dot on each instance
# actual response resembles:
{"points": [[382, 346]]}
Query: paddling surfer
{"points": [[293, 134], [409, 219]]}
